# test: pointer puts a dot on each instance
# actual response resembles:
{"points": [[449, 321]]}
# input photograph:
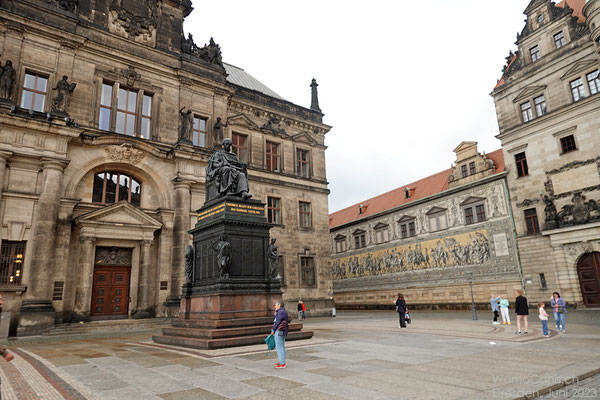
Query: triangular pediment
{"points": [[471, 200], [528, 92], [340, 237], [578, 67], [358, 232], [435, 210], [406, 218], [465, 146], [533, 5], [304, 137], [119, 214], [381, 225], [241, 120]]}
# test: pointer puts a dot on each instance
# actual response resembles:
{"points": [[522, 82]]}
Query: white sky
{"points": [[402, 83]]}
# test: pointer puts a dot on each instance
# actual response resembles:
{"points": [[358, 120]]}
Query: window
{"points": [[132, 109], [11, 262], [274, 210], [472, 168], [540, 105], [531, 220], [126, 106], [302, 163], [464, 171], [526, 111], [437, 221], [407, 192], [111, 187], [521, 161], [199, 132], [340, 244], [540, 18], [360, 239], [305, 216], [593, 82], [543, 284], [469, 216], [577, 89], [382, 234], [272, 156], [105, 107], [559, 40], [35, 88], [307, 271], [480, 209], [240, 147], [535, 53], [567, 144], [407, 229], [474, 210], [146, 116]]}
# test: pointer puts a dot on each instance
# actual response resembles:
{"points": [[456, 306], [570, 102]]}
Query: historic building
{"points": [[108, 115], [548, 107], [429, 239]]}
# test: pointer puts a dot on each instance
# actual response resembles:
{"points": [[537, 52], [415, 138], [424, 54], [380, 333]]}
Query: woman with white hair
{"points": [[280, 331]]}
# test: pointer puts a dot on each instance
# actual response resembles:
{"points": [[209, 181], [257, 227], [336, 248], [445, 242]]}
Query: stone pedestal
{"points": [[228, 302], [37, 316]]}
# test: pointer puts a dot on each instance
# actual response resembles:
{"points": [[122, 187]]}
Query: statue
{"points": [[273, 260], [62, 100], [186, 126], [217, 133], [581, 212], [189, 264], [187, 45], [228, 173], [550, 213], [7, 80], [222, 248]]}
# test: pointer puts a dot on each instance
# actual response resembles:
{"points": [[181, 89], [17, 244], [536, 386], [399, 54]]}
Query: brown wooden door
{"points": [[588, 270], [110, 293]]}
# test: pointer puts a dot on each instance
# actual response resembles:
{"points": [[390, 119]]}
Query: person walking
{"points": [[522, 310], [494, 304], [3, 352], [544, 318], [303, 311], [280, 331], [401, 309], [504, 310], [300, 305], [560, 310]]}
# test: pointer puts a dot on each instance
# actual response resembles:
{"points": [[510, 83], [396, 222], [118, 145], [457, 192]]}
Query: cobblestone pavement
{"points": [[357, 355]]}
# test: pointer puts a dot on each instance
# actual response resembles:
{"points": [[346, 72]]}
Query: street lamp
{"points": [[470, 277]]}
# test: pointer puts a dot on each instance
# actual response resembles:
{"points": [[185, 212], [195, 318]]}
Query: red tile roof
{"points": [[422, 188]]}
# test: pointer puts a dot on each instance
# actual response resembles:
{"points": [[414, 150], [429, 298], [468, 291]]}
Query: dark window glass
{"points": [[12, 256], [35, 88], [559, 40], [360, 240], [411, 229], [568, 144], [480, 209], [472, 168], [307, 267], [464, 171], [468, 215], [305, 215], [273, 210], [521, 161], [404, 231], [531, 220], [110, 187]]}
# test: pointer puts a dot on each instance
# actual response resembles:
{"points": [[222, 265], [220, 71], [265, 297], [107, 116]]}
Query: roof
{"points": [[431, 185], [239, 77]]}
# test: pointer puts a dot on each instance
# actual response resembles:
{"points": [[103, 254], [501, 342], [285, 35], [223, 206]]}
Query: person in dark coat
{"points": [[401, 309], [522, 310], [280, 331]]}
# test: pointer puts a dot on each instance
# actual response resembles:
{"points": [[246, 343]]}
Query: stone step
{"points": [[105, 326], [224, 333], [211, 344], [221, 323]]}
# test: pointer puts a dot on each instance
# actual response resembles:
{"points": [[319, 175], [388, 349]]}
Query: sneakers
{"points": [[8, 357], [564, 331], [503, 323], [546, 335], [517, 332], [509, 323], [280, 365], [495, 323], [525, 333]]}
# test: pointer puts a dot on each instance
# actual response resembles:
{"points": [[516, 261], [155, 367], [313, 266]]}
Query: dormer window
{"points": [[540, 18], [535, 53], [472, 168], [407, 193], [559, 40]]}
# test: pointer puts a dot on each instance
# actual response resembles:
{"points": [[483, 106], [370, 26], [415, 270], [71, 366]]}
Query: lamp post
{"points": [[470, 276]]}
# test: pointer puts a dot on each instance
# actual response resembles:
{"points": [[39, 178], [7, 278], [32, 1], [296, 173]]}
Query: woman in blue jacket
{"points": [[280, 331], [560, 309]]}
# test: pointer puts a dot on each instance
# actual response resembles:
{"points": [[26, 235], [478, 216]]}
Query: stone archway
{"points": [[588, 270]]}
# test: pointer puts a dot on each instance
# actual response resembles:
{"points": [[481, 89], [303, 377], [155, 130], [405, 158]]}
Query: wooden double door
{"points": [[588, 269], [110, 292]]}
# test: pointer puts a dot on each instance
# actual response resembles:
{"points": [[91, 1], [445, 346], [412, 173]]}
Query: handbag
{"points": [[560, 310], [270, 341]]}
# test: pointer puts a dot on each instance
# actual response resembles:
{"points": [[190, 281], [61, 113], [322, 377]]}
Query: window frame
{"points": [[236, 148], [139, 115], [382, 233], [472, 168], [272, 211], [12, 259], [300, 163], [34, 91], [307, 264], [578, 92], [526, 111], [271, 157], [360, 239], [307, 212], [340, 244], [567, 146], [407, 228], [437, 216], [521, 165], [117, 191], [535, 53], [532, 226], [540, 106], [464, 171], [561, 40], [197, 133], [593, 83]]}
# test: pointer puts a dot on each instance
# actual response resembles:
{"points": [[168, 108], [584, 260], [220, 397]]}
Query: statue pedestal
{"points": [[228, 302]]}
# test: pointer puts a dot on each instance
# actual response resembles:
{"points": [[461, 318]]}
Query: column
{"points": [[144, 283], [181, 226], [84, 280]]}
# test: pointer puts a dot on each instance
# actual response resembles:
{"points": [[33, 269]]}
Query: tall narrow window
{"points": [[472, 168], [464, 171], [526, 112], [274, 210], [535, 53], [35, 88], [340, 244], [567, 144], [382, 234], [531, 220], [521, 162], [593, 82], [407, 228], [11, 262], [199, 132], [438, 221], [480, 209], [146, 116], [307, 271], [559, 40], [111, 187], [126, 107], [272, 156], [302, 163], [360, 239], [105, 107], [469, 216], [577, 89], [540, 105], [305, 215], [240, 147]]}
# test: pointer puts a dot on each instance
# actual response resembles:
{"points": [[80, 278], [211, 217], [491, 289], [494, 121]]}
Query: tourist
{"points": [[560, 310], [303, 311], [401, 309], [3, 352], [522, 310], [494, 304], [300, 306], [280, 331], [504, 310], [543, 318]]}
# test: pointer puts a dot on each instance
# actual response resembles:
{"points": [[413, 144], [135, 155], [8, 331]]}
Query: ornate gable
{"points": [[242, 120], [304, 137], [117, 215], [528, 92]]}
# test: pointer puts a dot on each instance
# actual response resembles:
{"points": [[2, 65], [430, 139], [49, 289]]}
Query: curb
{"points": [[559, 385]]}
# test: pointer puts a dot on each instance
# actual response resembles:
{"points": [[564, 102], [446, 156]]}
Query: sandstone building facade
{"points": [[429, 240], [108, 115], [548, 108]]}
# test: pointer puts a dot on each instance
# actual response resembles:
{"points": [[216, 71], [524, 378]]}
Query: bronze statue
{"points": [[7, 80], [222, 248], [62, 100], [189, 264], [273, 260], [228, 173], [187, 125]]}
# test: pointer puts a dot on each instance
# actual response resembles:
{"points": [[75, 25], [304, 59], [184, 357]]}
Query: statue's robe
{"points": [[228, 173]]}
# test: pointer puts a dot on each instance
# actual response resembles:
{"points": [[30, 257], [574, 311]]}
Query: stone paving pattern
{"points": [[358, 355]]}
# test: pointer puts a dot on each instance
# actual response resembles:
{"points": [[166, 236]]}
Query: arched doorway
{"points": [[588, 269]]}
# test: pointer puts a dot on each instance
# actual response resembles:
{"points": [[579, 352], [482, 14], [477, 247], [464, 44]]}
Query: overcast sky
{"points": [[402, 83]]}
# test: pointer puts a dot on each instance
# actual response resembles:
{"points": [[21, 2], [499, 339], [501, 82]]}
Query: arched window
{"points": [[113, 186]]}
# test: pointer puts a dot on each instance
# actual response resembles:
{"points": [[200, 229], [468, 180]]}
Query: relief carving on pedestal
{"points": [[125, 154]]}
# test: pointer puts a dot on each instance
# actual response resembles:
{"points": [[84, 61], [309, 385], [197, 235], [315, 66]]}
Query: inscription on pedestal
{"points": [[247, 209]]}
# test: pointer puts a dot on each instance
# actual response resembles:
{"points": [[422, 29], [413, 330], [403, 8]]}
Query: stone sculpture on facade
{"points": [[273, 125], [7, 80], [217, 133], [187, 45], [210, 53], [186, 125], [579, 212], [227, 172], [550, 214], [222, 249], [67, 5], [63, 98], [273, 260], [189, 264]]}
